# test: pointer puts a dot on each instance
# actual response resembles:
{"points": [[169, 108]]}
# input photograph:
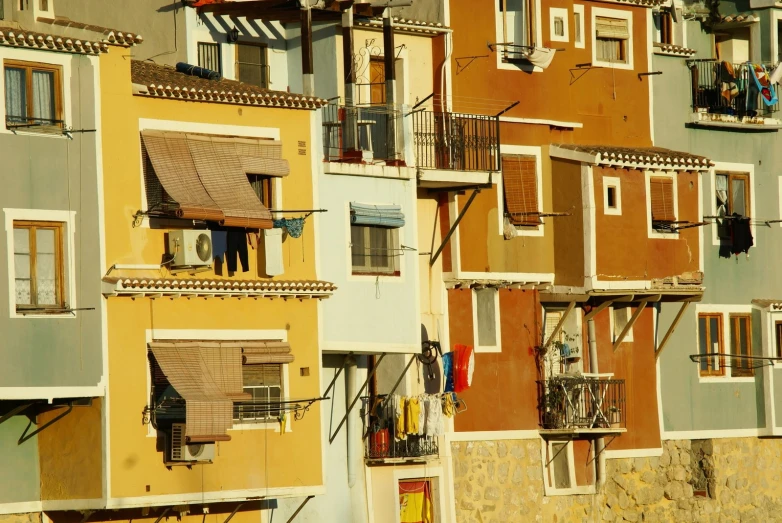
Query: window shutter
{"points": [[661, 190], [266, 375], [520, 182], [611, 28]]}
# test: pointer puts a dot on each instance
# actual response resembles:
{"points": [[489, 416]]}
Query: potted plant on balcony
{"points": [[614, 417]]}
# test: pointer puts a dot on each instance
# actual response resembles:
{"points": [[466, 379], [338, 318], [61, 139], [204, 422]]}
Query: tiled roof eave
{"points": [[673, 50], [654, 166], [229, 97], [46, 42], [110, 36], [174, 288], [637, 3], [407, 26]]}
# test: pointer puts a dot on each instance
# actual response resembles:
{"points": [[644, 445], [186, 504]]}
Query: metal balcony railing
{"points": [[454, 141], [581, 403], [719, 87], [380, 443], [362, 133]]}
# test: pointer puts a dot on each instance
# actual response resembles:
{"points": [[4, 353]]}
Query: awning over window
{"points": [[380, 215], [611, 28], [256, 353], [207, 175], [208, 376]]}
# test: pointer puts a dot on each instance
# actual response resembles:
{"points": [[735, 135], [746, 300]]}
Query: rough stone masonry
{"points": [[719, 480]]}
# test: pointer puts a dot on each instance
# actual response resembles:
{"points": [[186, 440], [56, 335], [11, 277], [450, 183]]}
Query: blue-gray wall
{"points": [[20, 479]]}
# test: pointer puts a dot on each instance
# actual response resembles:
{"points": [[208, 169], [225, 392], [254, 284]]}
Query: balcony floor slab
{"points": [[438, 178]]}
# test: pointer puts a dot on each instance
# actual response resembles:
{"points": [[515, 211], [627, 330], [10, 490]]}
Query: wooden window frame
{"points": [[59, 261], [267, 182], [778, 333], [666, 27], [625, 57], [392, 269], [723, 232], [709, 343], [745, 370], [265, 65], [29, 67]]}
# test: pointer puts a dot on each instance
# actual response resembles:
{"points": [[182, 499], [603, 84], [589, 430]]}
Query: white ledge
{"points": [[540, 121]]}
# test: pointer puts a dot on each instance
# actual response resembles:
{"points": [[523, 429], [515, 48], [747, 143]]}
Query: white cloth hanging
{"points": [[273, 251]]}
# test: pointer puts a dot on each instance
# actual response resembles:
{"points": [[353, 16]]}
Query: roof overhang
{"points": [[214, 288], [630, 160]]}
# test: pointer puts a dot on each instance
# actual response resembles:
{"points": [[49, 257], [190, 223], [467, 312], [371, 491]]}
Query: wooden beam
{"points": [[560, 323], [307, 67], [596, 310], [348, 62], [667, 336], [636, 315]]}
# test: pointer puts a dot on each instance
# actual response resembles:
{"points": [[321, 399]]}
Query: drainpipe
{"points": [[593, 368], [350, 429]]}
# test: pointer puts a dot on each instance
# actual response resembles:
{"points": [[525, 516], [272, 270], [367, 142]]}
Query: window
{"points": [[24, 4], [559, 29], [417, 500], [612, 197], [741, 345], [561, 467], [710, 342], [32, 95], [209, 57], [264, 384], [251, 65], [661, 195], [732, 197], [520, 184], [664, 23], [578, 25], [612, 40], [778, 331], [377, 80], [486, 320], [517, 22], [621, 317], [44, 5], [264, 188], [374, 250], [779, 40], [38, 265]]}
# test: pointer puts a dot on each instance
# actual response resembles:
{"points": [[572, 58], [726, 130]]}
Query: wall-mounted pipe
{"points": [[594, 368], [350, 429]]}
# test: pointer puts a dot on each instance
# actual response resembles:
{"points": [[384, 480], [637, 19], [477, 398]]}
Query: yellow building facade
{"points": [[187, 324]]}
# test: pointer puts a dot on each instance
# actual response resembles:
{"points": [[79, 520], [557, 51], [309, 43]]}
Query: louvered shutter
{"points": [[613, 28], [520, 183], [661, 190]]}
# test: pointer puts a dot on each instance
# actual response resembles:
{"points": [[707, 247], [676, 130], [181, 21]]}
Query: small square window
{"points": [[578, 25], [209, 57], [611, 197], [486, 320], [558, 24], [374, 250]]}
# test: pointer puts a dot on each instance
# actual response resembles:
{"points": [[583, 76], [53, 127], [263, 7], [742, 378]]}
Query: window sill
{"points": [[394, 274], [261, 425], [612, 65], [48, 132], [726, 379], [495, 349], [655, 235]]}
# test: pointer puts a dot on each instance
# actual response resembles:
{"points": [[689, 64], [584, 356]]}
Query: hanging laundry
{"points": [[294, 226], [449, 407], [448, 371], [415, 502], [434, 425], [727, 77], [219, 244], [541, 56], [412, 409], [763, 84], [741, 235], [399, 417], [237, 245], [423, 401]]}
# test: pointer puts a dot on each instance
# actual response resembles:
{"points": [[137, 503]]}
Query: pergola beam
{"points": [[560, 323], [672, 328], [629, 325]]}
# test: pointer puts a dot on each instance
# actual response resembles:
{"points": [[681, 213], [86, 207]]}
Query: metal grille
{"points": [[460, 142], [354, 133], [722, 88], [209, 57], [581, 403]]}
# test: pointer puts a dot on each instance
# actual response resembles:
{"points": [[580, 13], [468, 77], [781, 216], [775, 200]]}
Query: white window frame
{"points": [[250, 422], [579, 43], [394, 255], [611, 322], [616, 183], [521, 230], [68, 219], [562, 13], [747, 168], [537, 37], [222, 335], [620, 15], [652, 233], [546, 450], [476, 345], [726, 311]]}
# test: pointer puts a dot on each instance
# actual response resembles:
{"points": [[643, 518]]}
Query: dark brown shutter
{"points": [[520, 183], [661, 190]]}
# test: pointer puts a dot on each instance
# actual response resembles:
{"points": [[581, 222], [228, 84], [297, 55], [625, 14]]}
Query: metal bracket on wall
{"points": [[583, 69], [597, 455], [475, 192], [293, 516], [358, 396], [13, 412], [25, 436], [668, 334], [163, 514], [334, 380], [569, 440], [470, 59], [650, 73], [233, 513]]}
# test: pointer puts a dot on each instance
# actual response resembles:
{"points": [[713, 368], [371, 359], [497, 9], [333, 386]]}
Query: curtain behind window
{"points": [[15, 99], [43, 96]]}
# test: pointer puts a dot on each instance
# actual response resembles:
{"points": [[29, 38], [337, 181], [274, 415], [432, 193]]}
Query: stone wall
{"points": [[31, 517], [721, 480]]}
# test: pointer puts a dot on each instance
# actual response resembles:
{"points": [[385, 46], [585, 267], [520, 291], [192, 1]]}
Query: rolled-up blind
{"points": [[380, 215], [611, 28]]}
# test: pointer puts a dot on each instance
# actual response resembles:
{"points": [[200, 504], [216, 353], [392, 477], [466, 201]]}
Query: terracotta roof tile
{"points": [[674, 50], [107, 35], [649, 157], [17, 37], [218, 287], [164, 81]]}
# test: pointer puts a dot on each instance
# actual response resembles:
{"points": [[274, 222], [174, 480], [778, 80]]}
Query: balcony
{"points": [[380, 445], [370, 134], [725, 95], [581, 404]]}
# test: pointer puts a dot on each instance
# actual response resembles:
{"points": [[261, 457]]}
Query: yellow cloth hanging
{"points": [[283, 422], [412, 411], [449, 409], [415, 502], [399, 427]]}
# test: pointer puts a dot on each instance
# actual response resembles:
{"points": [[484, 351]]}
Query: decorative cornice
{"points": [[174, 288], [673, 50]]}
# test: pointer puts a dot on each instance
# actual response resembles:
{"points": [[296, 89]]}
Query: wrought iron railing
{"points": [[380, 442], [361, 133], [30, 123], [579, 402], [720, 87], [454, 141]]}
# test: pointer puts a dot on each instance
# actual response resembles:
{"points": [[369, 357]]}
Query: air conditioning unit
{"points": [[190, 248], [182, 451]]}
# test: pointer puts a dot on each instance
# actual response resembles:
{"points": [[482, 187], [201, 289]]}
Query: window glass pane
{"points": [[357, 245], [610, 50], [703, 342], [45, 267], [15, 95], [22, 265], [251, 64], [516, 21], [714, 339], [612, 197], [577, 24], [21, 241], [737, 192], [43, 96], [561, 468], [249, 54], [487, 324], [779, 339], [621, 317], [559, 26], [380, 256], [209, 56]]}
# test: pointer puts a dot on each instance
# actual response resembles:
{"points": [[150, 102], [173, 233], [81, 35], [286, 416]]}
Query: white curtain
{"points": [[609, 50], [43, 96], [15, 102]]}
